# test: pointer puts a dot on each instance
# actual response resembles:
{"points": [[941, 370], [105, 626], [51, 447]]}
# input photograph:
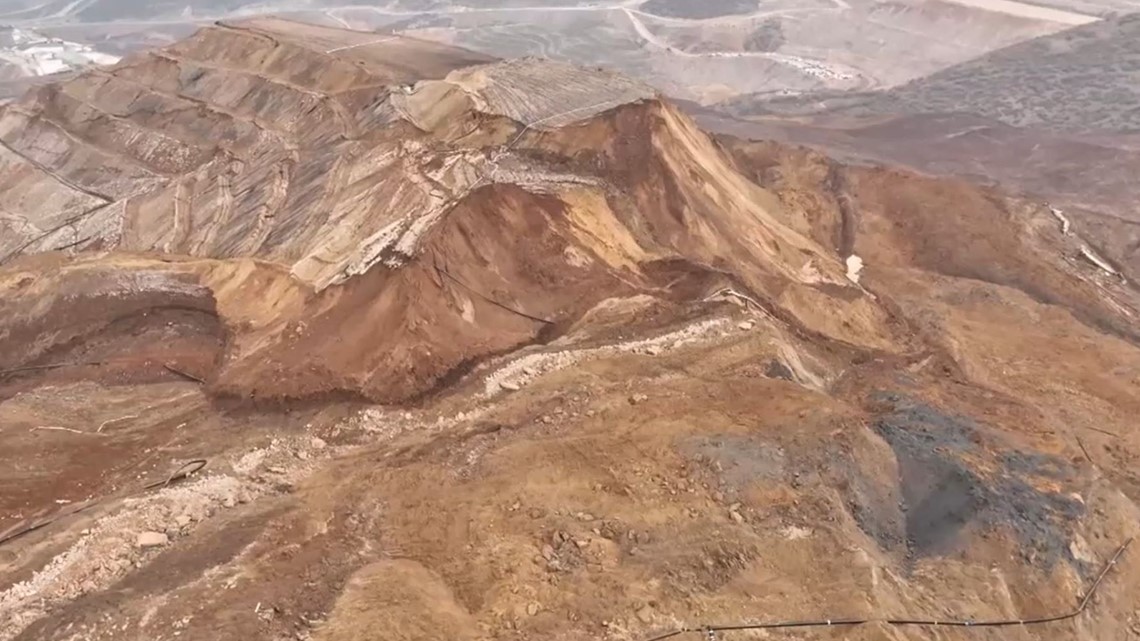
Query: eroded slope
{"points": [[425, 223]]}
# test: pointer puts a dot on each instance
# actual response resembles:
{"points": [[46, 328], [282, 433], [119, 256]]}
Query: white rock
{"points": [[152, 540], [854, 267], [1079, 548]]}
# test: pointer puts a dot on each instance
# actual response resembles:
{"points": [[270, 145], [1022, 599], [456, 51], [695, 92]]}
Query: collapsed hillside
{"points": [[487, 349], [415, 202], [1046, 117]]}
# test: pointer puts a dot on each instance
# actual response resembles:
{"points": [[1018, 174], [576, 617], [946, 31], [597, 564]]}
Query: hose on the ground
{"points": [[710, 631], [184, 471]]}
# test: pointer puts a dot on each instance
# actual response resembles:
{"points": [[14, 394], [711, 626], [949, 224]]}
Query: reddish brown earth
{"points": [[524, 354], [1087, 176]]}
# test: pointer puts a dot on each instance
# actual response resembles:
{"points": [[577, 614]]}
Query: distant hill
{"points": [[1085, 79]]}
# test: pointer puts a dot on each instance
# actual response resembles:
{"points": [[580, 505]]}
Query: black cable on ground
{"points": [[188, 468], [711, 630], [50, 366], [487, 298], [183, 472], [186, 375], [37, 368]]}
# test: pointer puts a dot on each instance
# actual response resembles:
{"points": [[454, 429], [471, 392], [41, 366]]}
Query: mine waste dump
{"points": [[319, 334]]}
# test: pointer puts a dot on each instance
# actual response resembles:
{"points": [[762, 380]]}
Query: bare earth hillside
{"points": [[313, 334], [1053, 119]]}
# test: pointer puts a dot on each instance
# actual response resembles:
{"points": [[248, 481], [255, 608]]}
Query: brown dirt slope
{"points": [[1088, 178], [397, 207]]}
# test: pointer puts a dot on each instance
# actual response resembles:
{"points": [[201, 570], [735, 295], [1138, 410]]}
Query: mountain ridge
{"points": [[442, 151]]}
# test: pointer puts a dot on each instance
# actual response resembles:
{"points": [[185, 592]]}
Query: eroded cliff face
{"points": [[510, 349], [432, 207]]}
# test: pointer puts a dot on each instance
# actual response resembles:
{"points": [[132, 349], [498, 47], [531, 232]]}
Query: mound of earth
{"points": [[480, 349]]}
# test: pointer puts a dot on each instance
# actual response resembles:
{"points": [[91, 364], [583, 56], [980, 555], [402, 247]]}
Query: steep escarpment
{"points": [[115, 323], [506, 266], [501, 270], [437, 222], [895, 220]]}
